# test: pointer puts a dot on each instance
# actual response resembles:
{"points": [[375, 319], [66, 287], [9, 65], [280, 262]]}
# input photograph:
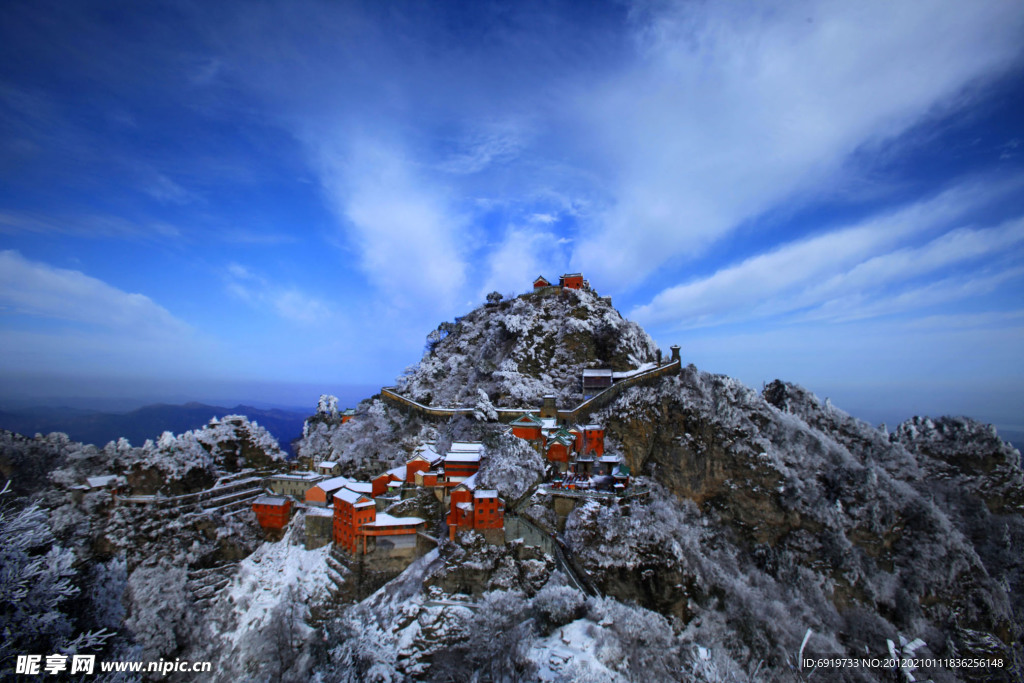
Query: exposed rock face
{"points": [[895, 526], [473, 567]]}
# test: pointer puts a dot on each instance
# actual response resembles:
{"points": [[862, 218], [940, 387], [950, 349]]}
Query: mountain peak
{"points": [[523, 348]]}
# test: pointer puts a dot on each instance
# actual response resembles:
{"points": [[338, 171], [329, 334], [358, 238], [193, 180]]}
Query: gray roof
{"points": [[271, 500]]}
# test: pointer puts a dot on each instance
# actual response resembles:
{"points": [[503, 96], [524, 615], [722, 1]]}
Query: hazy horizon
{"points": [[901, 403]]}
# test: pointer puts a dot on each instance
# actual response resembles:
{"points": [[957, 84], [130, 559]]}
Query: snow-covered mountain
{"points": [[772, 525], [520, 349]]}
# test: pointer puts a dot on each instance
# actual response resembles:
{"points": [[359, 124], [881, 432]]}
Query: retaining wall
{"points": [[508, 414]]}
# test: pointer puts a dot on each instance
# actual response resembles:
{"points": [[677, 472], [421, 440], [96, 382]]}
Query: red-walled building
{"points": [[472, 509], [322, 493], [541, 281], [462, 461], [593, 440], [381, 482], [571, 281], [460, 513], [272, 512], [351, 511], [424, 459], [576, 432], [559, 446], [527, 427], [488, 510]]}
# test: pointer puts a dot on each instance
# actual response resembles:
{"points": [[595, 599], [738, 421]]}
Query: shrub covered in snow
{"points": [[512, 466]]}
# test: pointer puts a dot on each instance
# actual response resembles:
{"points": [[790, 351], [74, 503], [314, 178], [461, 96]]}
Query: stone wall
{"points": [[319, 529], [576, 414]]}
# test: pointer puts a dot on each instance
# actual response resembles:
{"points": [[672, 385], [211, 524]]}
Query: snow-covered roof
{"points": [[462, 457], [469, 482], [329, 464], [467, 506], [334, 483], [363, 487], [427, 451], [598, 372], [611, 458], [384, 519], [593, 427], [319, 512], [398, 472], [271, 500], [100, 482], [297, 476], [527, 419], [485, 493], [349, 496], [465, 447], [549, 422]]}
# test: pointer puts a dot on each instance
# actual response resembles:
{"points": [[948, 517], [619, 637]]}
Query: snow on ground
{"points": [[263, 579], [572, 653]]}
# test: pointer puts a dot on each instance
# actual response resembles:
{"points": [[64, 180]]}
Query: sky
{"points": [[269, 200]]}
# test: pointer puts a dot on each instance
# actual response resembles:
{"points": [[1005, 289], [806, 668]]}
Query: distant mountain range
{"points": [[148, 422]]}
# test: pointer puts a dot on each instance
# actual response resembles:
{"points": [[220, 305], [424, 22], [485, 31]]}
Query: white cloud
{"points": [[285, 301], [813, 271], [735, 109], [410, 239], [523, 254], [64, 321], [35, 289]]}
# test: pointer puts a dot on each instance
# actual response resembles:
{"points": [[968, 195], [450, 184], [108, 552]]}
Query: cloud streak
{"points": [[287, 302], [733, 110], [812, 271], [34, 289]]}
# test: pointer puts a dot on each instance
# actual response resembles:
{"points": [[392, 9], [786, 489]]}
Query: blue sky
{"points": [[210, 200]]}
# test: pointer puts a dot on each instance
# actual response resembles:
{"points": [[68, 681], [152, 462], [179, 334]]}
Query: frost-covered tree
{"points": [[36, 581], [159, 608], [327, 406], [512, 467], [484, 410], [107, 584]]}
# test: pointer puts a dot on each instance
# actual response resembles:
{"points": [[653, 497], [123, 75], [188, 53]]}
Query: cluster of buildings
{"points": [[577, 452], [567, 281], [351, 513]]}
